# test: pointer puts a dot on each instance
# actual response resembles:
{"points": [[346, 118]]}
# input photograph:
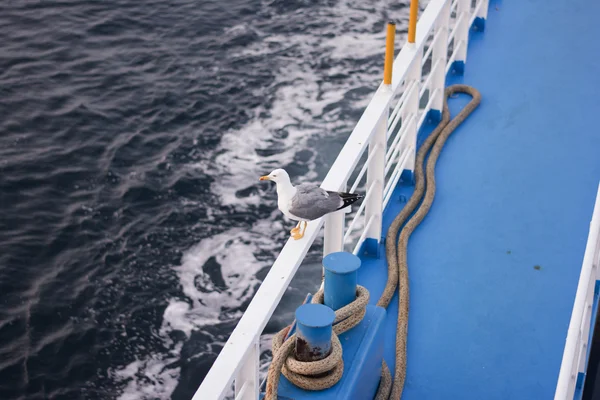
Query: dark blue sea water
{"points": [[133, 229]]}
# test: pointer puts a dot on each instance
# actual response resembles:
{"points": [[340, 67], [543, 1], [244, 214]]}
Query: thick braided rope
{"points": [[351, 314], [396, 253], [302, 374]]}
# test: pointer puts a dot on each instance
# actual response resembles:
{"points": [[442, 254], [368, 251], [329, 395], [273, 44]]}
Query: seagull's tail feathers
{"points": [[349, 198]]}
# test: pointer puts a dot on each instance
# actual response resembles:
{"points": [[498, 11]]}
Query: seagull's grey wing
{"points": [[312, 202]]}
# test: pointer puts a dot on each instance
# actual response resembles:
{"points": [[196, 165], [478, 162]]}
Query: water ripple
{"points": [[133, 231]]}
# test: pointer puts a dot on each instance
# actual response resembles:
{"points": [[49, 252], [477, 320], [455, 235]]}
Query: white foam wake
{"points": [[200, 308], [305, 107]]}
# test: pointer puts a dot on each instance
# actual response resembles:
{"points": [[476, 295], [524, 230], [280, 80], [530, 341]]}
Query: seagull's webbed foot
{"points": [[296, 229], [297, 234]]}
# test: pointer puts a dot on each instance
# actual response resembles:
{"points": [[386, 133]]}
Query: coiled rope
{"points": [[321, 374], [302, 374]]}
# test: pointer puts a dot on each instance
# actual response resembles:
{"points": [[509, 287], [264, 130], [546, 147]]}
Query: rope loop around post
{"points": [[350, 315], [302, 373]]}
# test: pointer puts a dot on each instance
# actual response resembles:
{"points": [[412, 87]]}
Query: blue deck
{"points": [[494, 266]]}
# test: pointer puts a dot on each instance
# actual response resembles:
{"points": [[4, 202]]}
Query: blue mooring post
{"points": [[340, 278], [313, 331]]}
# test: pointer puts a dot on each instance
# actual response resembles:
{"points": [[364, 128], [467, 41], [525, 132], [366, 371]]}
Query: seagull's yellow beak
{"points": [[264, 178]]}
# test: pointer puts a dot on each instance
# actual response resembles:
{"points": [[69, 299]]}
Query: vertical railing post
{"points": [[246, 380], [377, 151], [439, 58], [463, 12], [479, 19], [375, 178], [333, 237], [413, 82], [483, 10]]}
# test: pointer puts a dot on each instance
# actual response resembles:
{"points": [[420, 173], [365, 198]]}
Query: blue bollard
{"points": [[340, 279], [313, 332]]}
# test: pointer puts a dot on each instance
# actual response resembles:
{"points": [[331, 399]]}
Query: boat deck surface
{"points": [[494, 266]]}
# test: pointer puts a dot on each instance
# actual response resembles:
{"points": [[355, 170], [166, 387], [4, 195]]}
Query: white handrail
{"points": [[576, 345], [238, 360]]}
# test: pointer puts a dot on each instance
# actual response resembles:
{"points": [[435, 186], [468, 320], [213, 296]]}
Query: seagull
{"points": [[306, 202]]}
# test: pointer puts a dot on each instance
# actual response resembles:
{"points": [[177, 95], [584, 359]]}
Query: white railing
{"points": [[575, 354], [388, 129]]}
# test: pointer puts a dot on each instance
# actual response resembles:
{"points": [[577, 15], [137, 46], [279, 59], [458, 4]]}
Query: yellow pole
{"points": [[389, 53], [412, 21]]}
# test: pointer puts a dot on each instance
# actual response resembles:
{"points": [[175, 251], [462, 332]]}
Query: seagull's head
{"points": [[278, 176]]}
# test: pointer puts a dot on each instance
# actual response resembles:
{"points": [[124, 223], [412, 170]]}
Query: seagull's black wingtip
{"points": [[349, 198]]}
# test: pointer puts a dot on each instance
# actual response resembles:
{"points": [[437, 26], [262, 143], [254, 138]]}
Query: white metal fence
{"points": [[575, 354], [388, 129]]}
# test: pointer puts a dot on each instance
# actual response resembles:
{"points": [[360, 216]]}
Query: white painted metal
{"points": [[358, 179], [440, 53], [334, 232], [374, 205], [243, 390], [238, 360], [453, 57], [483, 10], [389, 187], [585, 327], [454, 31], [395, 116], [434, 40], [372, 189], [246, 379], [476, 12], [364, 234], [453, 6], [414, 78], [396, 147], [423, 113], [576, 345], [401, 114], [425, 86], [462, 34]]}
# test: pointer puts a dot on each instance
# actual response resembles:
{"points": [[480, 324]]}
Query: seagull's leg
{"points": [[296, 229], [305, 226], [300, 235]]}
